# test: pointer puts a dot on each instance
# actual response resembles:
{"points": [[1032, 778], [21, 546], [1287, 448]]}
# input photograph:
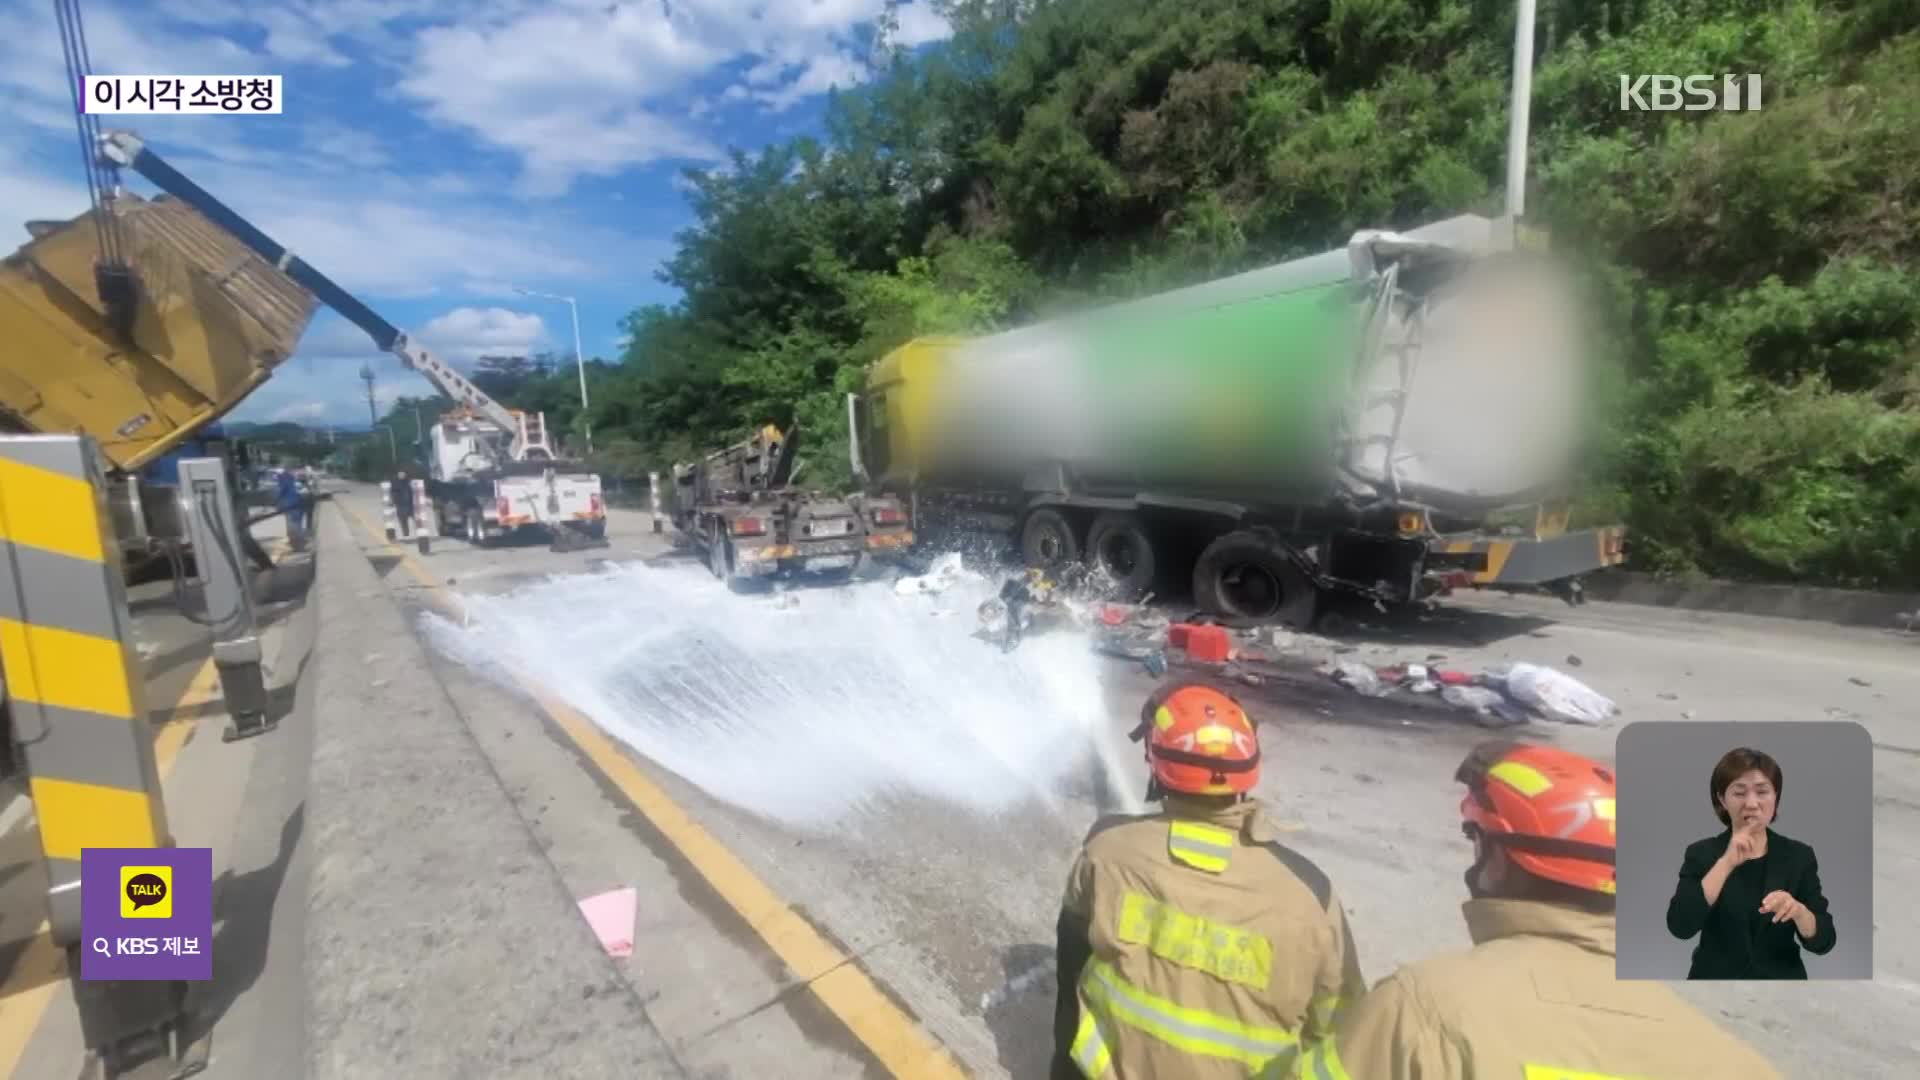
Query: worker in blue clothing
{"points": [[293, 503]]}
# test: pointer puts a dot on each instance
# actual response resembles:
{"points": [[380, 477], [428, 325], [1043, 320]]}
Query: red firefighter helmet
{"points": [[1549, 809], [1199, 741]]}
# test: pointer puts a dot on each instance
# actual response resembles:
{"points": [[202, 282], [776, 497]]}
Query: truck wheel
{"points": [[1118, 544], [597, 529], [1047, 540], [1245, 575], [716, 554]]}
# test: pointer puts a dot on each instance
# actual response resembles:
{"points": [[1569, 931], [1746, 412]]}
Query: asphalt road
{"points": [[950, 906]]}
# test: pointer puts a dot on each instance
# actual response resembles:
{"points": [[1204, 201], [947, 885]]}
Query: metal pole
{"points": [[393, 448], [580, 363], [1517, 117]]}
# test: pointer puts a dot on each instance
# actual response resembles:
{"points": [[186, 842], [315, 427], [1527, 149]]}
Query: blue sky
{"points": [[435, 154]]}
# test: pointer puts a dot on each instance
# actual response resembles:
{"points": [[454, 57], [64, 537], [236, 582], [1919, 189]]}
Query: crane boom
{"points": [[127, 149]]}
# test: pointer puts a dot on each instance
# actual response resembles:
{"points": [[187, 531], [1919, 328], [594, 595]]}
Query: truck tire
{"points": [[1120, 545], [1048, 540], [1250, 576]]}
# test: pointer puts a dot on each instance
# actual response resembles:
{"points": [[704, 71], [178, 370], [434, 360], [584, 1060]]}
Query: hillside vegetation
{"points": [[1755, 270]]}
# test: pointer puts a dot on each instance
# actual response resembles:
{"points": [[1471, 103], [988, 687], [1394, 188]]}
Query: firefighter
{"points": [[401, 492], [1191, 943], [1536, 995]]}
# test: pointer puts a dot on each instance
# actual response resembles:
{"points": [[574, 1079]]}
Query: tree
{"points": [[1754, 272]]}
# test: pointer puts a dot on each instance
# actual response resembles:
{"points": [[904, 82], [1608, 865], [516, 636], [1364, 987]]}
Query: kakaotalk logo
{"points": [[1690, 93], [146, 892]]}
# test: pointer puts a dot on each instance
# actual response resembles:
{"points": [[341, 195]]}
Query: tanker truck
{"points": [[1360, 421]]}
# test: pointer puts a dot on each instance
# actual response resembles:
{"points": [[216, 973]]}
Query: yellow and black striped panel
{"points": [[1527, 561], [74, 680]]}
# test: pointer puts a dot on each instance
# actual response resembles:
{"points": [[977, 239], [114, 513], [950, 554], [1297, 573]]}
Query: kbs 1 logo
{"points": [[1692, 93]]}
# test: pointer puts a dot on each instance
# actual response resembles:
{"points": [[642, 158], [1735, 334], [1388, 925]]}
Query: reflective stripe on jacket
{"points": [[1534, 999], [1206, 949]]}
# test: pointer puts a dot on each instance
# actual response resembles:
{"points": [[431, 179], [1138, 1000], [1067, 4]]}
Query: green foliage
{"points": [[1757, 309]]}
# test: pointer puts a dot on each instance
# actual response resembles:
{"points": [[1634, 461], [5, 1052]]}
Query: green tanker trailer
{"points": [[1355, 421]]}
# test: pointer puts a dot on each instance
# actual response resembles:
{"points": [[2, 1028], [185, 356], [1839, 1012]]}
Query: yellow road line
{"points": [[41, 966], [894, 1038]]}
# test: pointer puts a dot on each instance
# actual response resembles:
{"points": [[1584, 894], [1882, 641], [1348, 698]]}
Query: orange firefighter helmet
{"points": [[1199, 741], [1549, 809]]}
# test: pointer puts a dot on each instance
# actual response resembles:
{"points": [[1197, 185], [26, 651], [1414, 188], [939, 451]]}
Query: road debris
{"points": [[1557, 696], [1512, 693], [946, 572], [611, 916], [1486, 703], [1360, 678]]}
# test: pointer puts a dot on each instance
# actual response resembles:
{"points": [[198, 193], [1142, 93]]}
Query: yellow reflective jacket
{"points": [[1534, 999], [1194, 945]]}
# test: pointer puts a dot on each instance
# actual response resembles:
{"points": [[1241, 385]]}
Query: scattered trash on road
{"points": [[611, 915], [1360, 678], [946, 572], [1557, 696], [1485, 702]]}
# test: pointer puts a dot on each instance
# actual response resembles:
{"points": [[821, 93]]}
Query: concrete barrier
{"points": [[440, 939], [1847, 607]]}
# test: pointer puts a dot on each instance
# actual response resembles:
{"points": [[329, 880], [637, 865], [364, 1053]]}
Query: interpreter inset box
{"points": [[1745, 851]]}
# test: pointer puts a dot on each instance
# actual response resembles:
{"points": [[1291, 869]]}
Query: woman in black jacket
{"points": [[1751, 894]]}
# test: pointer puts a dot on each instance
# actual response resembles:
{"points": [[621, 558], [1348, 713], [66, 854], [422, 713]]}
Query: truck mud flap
{"points": [[1525, 562]]}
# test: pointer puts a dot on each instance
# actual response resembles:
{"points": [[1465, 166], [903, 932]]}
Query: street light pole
{"points": [[579, 357], [1517, 116]]}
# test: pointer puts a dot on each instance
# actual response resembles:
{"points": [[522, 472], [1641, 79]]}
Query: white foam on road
{"points": [[806, 714]]}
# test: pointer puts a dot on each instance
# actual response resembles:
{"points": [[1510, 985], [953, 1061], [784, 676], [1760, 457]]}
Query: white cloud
{"points": [[345, 145], [463, 335], [29, 198], [333, 340], [573, 88], [301, 412], [298, 38], [918, 24], [590, 88], [822, 73], [380, 234]]}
